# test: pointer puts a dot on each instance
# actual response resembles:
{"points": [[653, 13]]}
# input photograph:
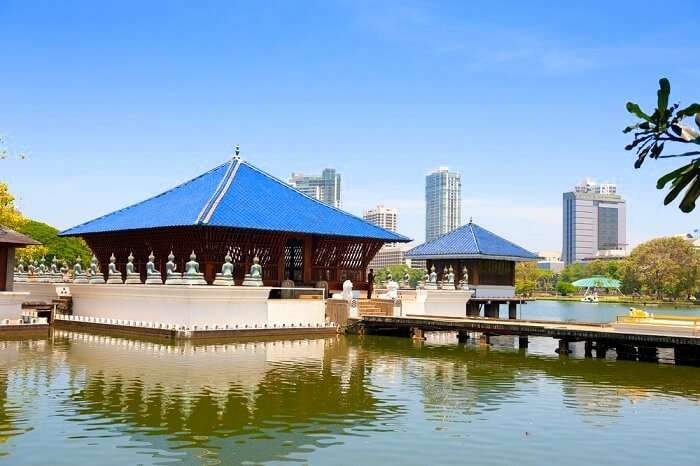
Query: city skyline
{"points": [[83, 117]]}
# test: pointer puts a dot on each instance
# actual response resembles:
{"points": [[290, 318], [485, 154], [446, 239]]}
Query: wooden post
{"points": [[473, 309], [512, 310], [491, 310], [563, 347], [462, 336], [648, 353], [588, 349], [601, 350], [522, 341], [417, 333], [484, 339]]}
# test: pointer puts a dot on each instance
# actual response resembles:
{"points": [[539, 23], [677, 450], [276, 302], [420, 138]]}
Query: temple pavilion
{"points": [[489, 259], [9, 241], [239, 208]]}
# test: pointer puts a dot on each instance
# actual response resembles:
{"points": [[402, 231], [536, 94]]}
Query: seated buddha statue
{"points": [[192, 275], [225, 278]]}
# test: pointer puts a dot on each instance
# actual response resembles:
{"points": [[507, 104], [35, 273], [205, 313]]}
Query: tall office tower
{"points": [[384, 217], [325, 188], [443, 197], [594, 222]]}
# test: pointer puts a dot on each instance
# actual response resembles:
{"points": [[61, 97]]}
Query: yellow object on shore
{"points": [[634, 312]]}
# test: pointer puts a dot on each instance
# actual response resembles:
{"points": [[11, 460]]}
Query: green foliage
{"points": [[397, 272], [565, 288], [666, 267], [530, 278], [62, 248], [664, 125]]}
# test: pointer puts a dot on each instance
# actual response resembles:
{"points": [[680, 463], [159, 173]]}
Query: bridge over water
{"points": [[629, 338]]}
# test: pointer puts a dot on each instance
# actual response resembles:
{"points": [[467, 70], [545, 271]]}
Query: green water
{"points": [[86, 399]]}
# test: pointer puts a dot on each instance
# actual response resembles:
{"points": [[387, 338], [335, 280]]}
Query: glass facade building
{"points": [[443, 199]]}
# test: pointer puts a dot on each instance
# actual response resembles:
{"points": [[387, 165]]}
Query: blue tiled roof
{"points": [[237, 195], [470, 241]]}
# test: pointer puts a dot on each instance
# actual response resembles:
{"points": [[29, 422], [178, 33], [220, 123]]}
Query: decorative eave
{"points": [[15, 239]]}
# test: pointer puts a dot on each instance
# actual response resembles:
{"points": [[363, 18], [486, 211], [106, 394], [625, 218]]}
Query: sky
{"points": [[113, 102]]}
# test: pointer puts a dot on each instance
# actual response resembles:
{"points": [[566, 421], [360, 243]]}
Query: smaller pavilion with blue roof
{"points": [[239, 208], [489, 259]]}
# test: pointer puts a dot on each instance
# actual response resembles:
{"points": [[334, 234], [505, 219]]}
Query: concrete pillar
{"points": [[601, 350], [588, 349], [522, 341], [626, 352], [491, 310], [684, 354], [417, 333], [512, 310], [485, 339], [462, 336], [563, 347], [648, 353], [472, 309]]}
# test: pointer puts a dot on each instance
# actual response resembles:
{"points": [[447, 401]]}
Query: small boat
{"points": [[590, 298]]}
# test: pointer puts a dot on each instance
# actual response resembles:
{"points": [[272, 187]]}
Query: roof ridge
{"points": [[209, 202], [341, 211], [227, 180], [501, 237], [147, 199], [476, 241]]}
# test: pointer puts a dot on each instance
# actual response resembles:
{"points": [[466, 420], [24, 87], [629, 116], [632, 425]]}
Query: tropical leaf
{"points": [[692, 109], [635, 110], [688, 202], [679, 185], [662, 94]]}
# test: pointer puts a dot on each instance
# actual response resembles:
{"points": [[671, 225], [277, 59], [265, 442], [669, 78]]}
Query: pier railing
{"points": [[689, 322]]}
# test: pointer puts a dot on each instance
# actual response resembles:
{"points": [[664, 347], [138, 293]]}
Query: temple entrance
{"points": [[294, 261]]}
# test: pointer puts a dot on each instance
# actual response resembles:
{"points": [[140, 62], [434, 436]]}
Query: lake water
{"points": [[87, 399]]}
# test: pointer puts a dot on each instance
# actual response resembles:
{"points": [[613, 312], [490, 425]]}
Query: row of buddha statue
{"points": [[431, 282], [39, 272]]}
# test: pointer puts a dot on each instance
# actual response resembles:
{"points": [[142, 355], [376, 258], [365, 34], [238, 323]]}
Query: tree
{"points": [[529, 278], [665, 125], [9, 215], [565, 288], [397, 272], [62, 248], [667, 266]]}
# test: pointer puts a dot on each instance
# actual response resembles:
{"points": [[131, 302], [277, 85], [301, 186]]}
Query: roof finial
{"points": [[470, 220], [237, 154]]}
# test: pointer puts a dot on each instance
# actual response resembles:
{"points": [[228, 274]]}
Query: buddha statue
{"points": [[132, 276], [20, 273], [56, 275], [450, 278], [114, 276], [464, 282], [432, 280], [153, 276], [225, 278], [32, 270], [192, 275], [95, 276], [172, 277], [406, 281], [78, 274], [254, 278], [43, 272]]}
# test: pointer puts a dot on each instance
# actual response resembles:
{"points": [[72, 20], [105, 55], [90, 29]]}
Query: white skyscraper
{"points": [[324, 187], [443, 199], [385, 217], [594, 222]]}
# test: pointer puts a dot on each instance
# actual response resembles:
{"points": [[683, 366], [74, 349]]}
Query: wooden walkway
{"points": [[629, 338]]}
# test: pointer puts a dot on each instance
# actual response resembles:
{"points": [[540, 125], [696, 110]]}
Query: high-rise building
{"points": [[594, 222], [324, 187], [443, 198], [384, 217]]}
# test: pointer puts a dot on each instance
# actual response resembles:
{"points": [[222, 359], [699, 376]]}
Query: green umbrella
{"points": [[597, 281]]}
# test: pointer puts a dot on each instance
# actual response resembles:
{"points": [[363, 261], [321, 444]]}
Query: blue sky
{"points": [[114, 102]]}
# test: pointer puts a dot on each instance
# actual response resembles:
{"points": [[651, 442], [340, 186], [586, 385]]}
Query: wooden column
{"points": [[308, 259], [512, 310], [491, 310]]}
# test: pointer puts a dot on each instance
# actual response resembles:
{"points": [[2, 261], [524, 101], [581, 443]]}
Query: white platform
{"points": [[188, 307], [444, 303], [11, 304]]}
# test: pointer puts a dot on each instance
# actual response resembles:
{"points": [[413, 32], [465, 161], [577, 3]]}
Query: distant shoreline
{"points": [[643, 301]]}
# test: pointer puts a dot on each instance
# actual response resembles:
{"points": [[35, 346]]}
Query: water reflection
{"points": [[264, 401]]}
